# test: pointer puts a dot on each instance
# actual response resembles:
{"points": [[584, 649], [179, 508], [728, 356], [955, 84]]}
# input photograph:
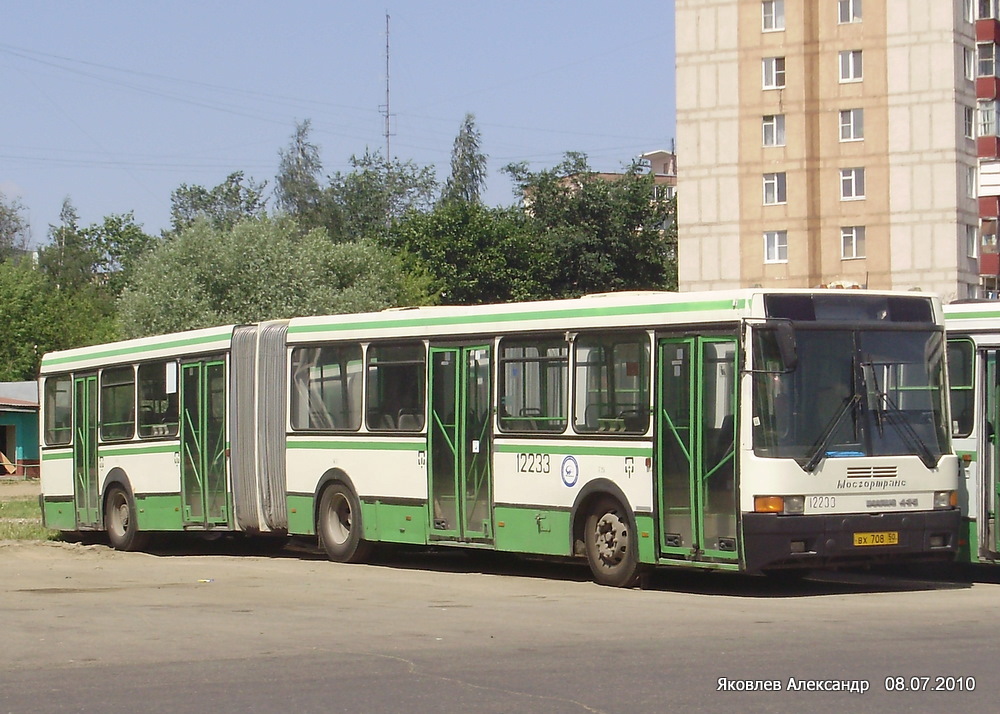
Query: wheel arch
{"points": [[591, 492], [116, 477], [332, 476]]}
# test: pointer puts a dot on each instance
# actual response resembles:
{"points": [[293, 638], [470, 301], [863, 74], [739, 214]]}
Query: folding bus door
{"points": [[85, 464], [459, 443], [695, 448], [203, 443]]}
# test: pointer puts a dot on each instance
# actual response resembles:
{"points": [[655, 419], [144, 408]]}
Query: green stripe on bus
{"points": [[570, 448], [478, 318], [56, 455], [969, 315], [137, 349], [128, 450], [361, 445]]}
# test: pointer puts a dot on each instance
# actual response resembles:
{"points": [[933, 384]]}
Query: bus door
{"points": [[203, 443], [85, 464], [989, 459], [695, 448], [459, 443]]}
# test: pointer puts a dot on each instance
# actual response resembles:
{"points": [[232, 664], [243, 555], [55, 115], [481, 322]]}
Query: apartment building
{"points": [[830, 142]]}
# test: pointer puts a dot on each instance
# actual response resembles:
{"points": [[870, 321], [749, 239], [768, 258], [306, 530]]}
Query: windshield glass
{"points": [[853, 393]]}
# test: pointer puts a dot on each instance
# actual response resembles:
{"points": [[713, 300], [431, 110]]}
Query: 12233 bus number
{"points": [[533, 463]]}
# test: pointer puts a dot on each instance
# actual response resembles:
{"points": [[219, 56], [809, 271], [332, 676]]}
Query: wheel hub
{"points": [[612, 538]]}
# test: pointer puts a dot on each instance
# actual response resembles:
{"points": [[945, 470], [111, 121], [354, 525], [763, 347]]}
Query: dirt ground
{"points": [[19, 488]]}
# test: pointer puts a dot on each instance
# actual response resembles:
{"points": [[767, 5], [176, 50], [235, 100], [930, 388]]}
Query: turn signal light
{"points": [[768, 504], [779, 504]]}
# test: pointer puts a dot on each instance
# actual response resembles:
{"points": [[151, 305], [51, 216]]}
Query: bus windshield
{"points": [[852, 393]]}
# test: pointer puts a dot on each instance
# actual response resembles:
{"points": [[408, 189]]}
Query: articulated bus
{"points": [[753, 430], [974, 372]]}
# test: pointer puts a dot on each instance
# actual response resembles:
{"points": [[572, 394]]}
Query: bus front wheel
{"points": [[611, 544], [121, 522], [339, 525]]}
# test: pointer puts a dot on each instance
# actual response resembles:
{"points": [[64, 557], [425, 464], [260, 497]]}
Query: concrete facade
{"points": [[895, 76]]}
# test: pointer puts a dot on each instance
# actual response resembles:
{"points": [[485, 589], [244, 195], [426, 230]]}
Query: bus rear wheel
{"points": [[121, 522], [338, 522], [611, 544]]}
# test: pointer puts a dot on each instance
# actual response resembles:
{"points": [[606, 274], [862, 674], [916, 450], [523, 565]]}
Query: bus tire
{"points": [[121, 522], [338, 523], [611, 544]]}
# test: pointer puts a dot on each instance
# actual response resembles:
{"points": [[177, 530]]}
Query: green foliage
{"points": [[468, 165], [475, 254], [71, 258], [605, 233], [297, 189], [258, 270], [376, 192], [232, 201], [37, 318], [14, 228]]}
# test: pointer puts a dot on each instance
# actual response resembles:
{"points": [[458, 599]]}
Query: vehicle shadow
{"points": [[663, 579]]}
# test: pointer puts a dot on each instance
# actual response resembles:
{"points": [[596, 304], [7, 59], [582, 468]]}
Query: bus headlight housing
{"points": [[945, 499], [779, 504]]}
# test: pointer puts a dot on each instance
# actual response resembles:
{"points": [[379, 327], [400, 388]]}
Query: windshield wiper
{"points": [[879, 403], [829, 431]]}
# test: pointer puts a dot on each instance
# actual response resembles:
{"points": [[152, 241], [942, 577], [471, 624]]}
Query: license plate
{"points": [[880, 538]]}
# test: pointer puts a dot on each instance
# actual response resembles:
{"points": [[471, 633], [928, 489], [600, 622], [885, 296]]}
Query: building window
{"points": [[849, 11], [774, 130], [852, 184], [988, 10], [971, 241], [774, 189], [850, 66], [774, 72], [776, 247], [968, 11], [970, 64], [986, 56], [969, 121], [773, 12], [852, 124], [852, 242], [971, 189], [987, 118]]}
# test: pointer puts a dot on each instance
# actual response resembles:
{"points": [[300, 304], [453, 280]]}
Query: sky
{"points": [[116, 103]]}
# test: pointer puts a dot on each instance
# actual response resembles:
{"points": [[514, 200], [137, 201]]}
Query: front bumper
{"points": [[772, 541]]}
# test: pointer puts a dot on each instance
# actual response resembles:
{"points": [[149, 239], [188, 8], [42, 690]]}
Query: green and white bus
{"points": [[974, 372], [752, 430]]}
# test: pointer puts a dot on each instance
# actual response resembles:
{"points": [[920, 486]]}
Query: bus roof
{"points": [[621, 309]]}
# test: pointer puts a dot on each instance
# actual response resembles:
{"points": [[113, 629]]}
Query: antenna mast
{"points": [[388, 116]]}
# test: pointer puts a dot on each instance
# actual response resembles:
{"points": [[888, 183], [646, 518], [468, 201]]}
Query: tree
{"points": [[14, 228], [606, 234], [297, 187], [122, 243], [71, 258], [38, 318], [475, 254], [258, 270], [376, 192], [468, 165], [225, 205]]}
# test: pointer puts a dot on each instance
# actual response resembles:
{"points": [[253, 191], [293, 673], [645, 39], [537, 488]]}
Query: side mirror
{"points": [[785, 334]]}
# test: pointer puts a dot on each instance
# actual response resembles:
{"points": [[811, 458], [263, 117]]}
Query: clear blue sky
{"points": [[116, 103]]}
